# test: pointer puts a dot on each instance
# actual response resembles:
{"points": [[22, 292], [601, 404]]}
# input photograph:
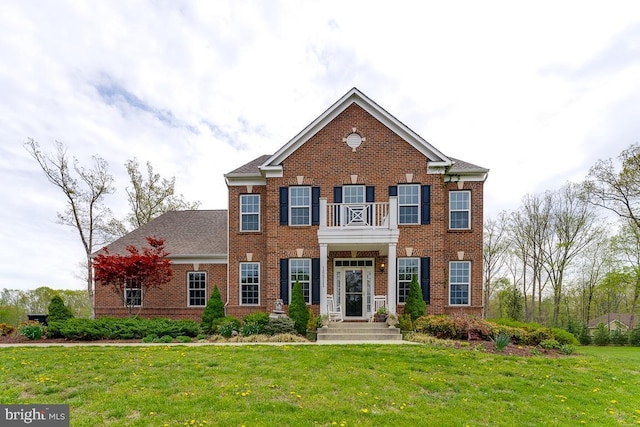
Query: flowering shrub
{"points": [[458, 326]]}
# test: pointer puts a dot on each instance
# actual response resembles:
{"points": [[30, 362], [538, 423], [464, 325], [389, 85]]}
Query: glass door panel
{"points": [[353, 293]]}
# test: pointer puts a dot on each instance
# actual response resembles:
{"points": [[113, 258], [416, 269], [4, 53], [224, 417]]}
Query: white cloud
{"points": [[535, 91]]}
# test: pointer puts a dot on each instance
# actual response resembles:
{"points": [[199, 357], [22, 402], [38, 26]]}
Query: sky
{"points": [[536, 91]]}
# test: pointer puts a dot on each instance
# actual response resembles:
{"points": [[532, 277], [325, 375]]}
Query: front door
{"points": [[353, 292]]}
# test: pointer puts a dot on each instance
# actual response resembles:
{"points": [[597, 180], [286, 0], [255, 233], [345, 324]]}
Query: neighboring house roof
{"points": [[623, 318], [255, 171], [193, 234]]}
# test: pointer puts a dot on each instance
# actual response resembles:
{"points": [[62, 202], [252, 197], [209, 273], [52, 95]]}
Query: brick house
{"points": [[352, 207]]}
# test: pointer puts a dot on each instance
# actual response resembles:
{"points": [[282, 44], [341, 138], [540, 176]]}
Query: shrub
{"points": [[255, 323], [619, 337], [31, 329], [415, 306], [150, 338], [298, 309], [280, 325], [213, 312], [166, 339], [312, 324], [564, 337], [634, 336], [57, 310], [502, 340], [566, 349], [536, 336], [439, 326], [585, 336], [228, 326], [601, 335], [405, 322], [549, 344], [183, 339], [6, 330], [517, 335]]}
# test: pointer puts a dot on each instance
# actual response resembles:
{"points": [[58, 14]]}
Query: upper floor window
{"points": [[300, 205], [249, 212], [408, 203], [353, 194], [459, 209], [249, 283], [132, 293], [459, 282], [407, 268], [197, 288], [300, 271]]}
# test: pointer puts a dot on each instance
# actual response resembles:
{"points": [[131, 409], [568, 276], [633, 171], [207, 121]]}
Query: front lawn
{"points": [[307, 385]]}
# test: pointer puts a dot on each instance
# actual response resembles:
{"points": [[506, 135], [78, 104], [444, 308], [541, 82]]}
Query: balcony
{"points": [[358, 225]]}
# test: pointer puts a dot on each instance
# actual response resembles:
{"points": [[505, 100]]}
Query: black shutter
{"points": [[393, 190], [284, 205], [426, 205], [425, 278], [284, 280], [370, 194], [337, 198], [315, 281], [315, 205]]}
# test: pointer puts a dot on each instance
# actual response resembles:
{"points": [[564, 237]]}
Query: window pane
{"points": [[300, 270], [300, 200], [459, 220], [250, 283], [197, 288], [250, 212], [353, 194], [407, 268], [408, 203], [459, 282], [459, 212]]}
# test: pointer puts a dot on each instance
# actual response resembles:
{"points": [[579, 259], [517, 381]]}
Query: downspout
{"points": [[227, 302]]}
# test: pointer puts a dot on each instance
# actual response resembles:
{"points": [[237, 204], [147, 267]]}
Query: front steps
{"points": [[358, 332]]}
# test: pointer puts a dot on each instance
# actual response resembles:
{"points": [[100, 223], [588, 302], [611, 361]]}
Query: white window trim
{"points": [[418, 205], [468, 285], [460, 210], [240, 284], [292, 206], [189, 289], [398, 277], [292, 282], [250, 213], [363, 191]]}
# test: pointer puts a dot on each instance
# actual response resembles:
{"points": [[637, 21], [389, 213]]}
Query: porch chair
{"points": [[334, 311], [379, 301]]}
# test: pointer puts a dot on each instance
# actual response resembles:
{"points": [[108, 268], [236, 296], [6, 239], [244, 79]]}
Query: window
{"points": [[407, 268], [300, 270], [408, 204], [250, 212], [132, 293], [300, 205], [197, 283], [353, 194], [459, 211], [249, 283], [459, 282]]}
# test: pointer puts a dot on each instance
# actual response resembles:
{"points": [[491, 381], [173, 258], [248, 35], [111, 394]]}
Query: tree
{"points": [[298, 309], [617, 191], [213, 311], [494, 250], [149, 198], [146, 270], [57, 310], [415, 305], [84, 193]]}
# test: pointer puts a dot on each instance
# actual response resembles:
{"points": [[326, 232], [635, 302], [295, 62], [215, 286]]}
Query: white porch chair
{"points": [[379, 301], [334, 311]]}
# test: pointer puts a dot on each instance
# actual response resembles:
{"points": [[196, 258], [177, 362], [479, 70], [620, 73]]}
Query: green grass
{"points": [[308, 385]]}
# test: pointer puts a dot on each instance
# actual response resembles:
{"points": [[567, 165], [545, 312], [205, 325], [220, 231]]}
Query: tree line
{"points": [[569, 255], [16, 304]]}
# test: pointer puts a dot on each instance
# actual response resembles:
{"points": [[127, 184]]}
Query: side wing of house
{"points": [[354, 207], [197, 246]]}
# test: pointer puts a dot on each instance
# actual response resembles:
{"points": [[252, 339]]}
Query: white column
{"points": [[323, 213], [392, 296], [323, 278]]}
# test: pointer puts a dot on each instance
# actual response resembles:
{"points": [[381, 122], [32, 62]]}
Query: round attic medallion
{"points": [[354, 140]]}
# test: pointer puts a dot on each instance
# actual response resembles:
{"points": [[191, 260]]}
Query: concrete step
{"points": [[346, 331]]}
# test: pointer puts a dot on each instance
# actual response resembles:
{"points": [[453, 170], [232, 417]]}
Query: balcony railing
{"points": [[358, 215]]}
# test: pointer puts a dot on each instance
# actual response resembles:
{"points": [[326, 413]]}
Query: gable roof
{"points": [[623, 318], [272, 167], [187, 234], [266, 166]]}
